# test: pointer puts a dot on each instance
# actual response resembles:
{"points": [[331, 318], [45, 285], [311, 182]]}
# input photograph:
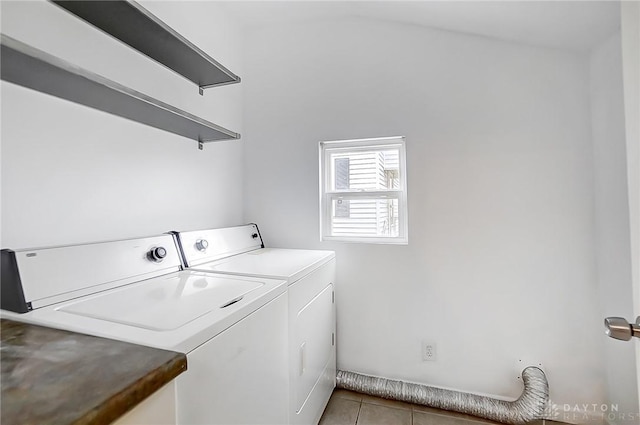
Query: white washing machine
{"points": [[233, 329], [310, 275]]}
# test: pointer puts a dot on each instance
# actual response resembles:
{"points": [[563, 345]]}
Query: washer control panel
{"points": [[50, 275]]}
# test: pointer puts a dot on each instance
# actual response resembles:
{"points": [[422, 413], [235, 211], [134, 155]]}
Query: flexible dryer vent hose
{"points": [[528, 407]]}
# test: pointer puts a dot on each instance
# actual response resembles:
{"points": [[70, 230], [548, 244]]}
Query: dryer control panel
{"points": [[203, 246]]}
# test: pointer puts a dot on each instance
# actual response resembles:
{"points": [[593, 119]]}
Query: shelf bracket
{"points": [[200, 145], [201, 91]]}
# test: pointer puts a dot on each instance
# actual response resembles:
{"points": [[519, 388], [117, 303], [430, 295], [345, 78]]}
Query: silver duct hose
{"points": [[529, 406]]}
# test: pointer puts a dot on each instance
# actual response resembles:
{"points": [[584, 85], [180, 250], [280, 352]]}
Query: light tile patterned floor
{"points": [[349, 408]]}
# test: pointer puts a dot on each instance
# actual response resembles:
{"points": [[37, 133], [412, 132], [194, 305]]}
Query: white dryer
{"points": [[310, 277]]}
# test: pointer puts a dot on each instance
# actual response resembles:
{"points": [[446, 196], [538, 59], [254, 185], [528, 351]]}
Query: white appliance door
{"points": [[312, 347], [165, 303], [314, 329]]}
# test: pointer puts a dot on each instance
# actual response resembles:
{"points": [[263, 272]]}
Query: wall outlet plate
{"points": [[429, 352]]}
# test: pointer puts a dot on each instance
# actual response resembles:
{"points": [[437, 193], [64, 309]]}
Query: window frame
{"points": [[327, 195]]}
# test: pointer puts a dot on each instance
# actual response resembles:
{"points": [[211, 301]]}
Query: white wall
{"points": [[71, 174], [500, 261], [612, 217]]}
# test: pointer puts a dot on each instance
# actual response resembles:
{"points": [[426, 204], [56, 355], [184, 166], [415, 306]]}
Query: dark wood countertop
{"points": [[50, 376]]}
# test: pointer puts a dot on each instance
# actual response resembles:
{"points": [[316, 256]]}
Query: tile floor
{"points": [[350, 408]]}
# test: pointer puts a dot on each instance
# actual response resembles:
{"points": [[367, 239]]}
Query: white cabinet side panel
{"points": [[158, 409]]}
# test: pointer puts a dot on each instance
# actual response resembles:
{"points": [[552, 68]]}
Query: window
{"points": [[363, 190]]}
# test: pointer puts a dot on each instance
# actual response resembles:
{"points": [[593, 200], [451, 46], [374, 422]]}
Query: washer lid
{"points": [[290, 264], [164, 303]]}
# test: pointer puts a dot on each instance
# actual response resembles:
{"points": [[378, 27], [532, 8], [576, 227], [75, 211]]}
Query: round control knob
{"points": [[157, 254], [202, 244]]}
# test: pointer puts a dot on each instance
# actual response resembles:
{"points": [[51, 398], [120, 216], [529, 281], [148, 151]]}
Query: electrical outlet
{"points": [[428, 351]]}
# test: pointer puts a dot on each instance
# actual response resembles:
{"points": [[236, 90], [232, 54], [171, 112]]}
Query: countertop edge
{"points": [[127, 399], [56, 376]]}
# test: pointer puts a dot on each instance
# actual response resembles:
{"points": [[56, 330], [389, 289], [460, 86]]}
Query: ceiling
{"points": [[575, 25]]}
